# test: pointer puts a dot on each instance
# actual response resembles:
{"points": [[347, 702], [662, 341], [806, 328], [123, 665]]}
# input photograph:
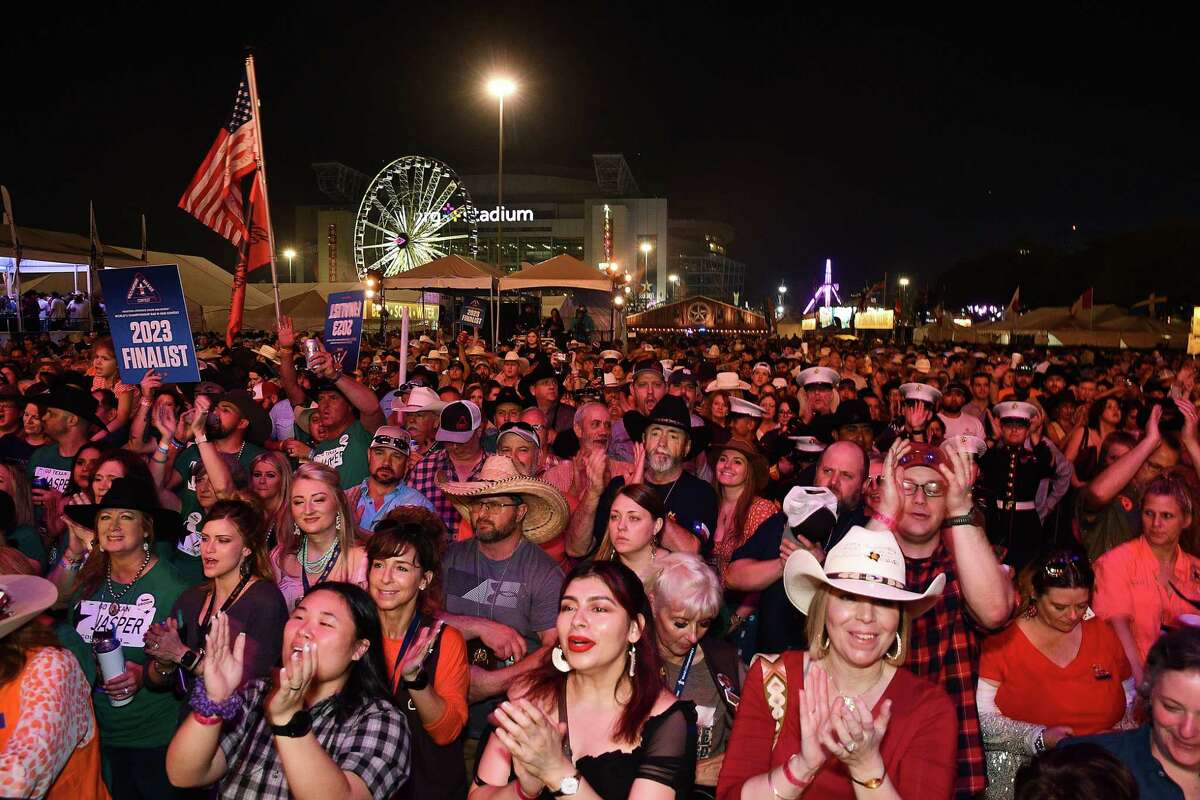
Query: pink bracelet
{"points": [[791, 777], [885, 520], [521, 793], [204, 719]]}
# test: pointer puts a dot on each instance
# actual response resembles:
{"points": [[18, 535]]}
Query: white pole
{"points": [[262, 168], [404, 344]]}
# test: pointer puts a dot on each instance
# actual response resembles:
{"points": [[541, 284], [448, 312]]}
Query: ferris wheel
{"points": [[415, 210]]}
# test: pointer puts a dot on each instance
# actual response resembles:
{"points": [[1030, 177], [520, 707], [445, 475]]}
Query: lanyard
{"points": [[409, 636], [684, 670], [229, 601], [337, 549]]}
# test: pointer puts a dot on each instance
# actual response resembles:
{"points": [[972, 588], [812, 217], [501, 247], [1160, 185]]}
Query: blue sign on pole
{"points": [[149, 323], [343, 328]]}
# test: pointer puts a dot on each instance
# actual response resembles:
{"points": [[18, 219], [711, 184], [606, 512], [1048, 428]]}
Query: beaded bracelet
{"points": [[206, 720], [226, 709]]}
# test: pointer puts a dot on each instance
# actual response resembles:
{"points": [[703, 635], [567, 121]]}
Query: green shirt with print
{"points": [[347, 454], [47, 463], [186, 556], [151, 718]]}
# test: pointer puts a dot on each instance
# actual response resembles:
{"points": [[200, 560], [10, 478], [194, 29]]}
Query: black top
{"points": [[260, 612], [693, 501]]}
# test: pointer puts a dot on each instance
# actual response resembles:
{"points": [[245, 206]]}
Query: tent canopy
{"points": [[61, 247], [1100, 326], [306, 309], [561, 272], [448, 272]]}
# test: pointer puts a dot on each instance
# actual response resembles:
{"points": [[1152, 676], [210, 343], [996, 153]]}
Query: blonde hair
{"points": [[289, 541], [818, 636]]}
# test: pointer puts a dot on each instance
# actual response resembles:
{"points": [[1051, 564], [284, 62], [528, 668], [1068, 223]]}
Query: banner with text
{"points": [[473, 313], [149, 323], [343, 328]]}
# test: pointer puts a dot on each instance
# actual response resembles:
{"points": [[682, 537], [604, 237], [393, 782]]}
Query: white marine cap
{"points": [[818, 375], [808, 444], [1015, 409], [921, 391], [739, 406], [964, 443]]}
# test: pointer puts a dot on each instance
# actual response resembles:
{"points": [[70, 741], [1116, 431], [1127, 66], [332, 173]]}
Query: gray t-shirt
{"points": [[521, 591]]}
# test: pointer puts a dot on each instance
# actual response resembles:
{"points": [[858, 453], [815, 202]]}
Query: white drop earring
{"points": [[632, 659], [559, 660]]}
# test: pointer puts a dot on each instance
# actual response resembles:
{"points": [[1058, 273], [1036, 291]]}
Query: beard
{"points": [[661, 462], [213, 429], [952, 405], [489, 532], [387, 477]]}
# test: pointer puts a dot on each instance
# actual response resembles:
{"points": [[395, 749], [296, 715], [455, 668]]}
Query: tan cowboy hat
{"points": [[727, 381], [23, 597], [548, 510], [866, 563], [759, 469]]}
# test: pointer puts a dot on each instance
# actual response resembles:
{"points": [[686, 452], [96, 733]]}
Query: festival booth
{"points": [[1101, 326], [947, 330], [699, 314], [566, 272], [454, 274]]}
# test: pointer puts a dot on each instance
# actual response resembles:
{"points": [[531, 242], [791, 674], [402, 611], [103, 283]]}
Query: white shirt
{"points": [[962, 424]]}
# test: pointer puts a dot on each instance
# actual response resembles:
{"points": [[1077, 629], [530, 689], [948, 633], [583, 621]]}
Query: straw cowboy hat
{"points": [[727, 381], [23, 597], [548, 511], [864, 563]]}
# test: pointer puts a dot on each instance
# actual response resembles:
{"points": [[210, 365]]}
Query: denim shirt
{"points": [[1132, 748]]}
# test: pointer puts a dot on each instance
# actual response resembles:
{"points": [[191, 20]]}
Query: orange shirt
{"points": [[1127, 586], [451, 682], [1085, 695]]}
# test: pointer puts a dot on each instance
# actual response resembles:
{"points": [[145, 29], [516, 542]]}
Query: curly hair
{"points": [[423, 531]]}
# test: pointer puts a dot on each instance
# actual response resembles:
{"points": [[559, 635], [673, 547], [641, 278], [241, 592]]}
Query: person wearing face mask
{"points": [[685, 597], [1055, 672], [324, 544], [594, 721], [325, 725], [845, 719], [238, 584], [427, 662]]}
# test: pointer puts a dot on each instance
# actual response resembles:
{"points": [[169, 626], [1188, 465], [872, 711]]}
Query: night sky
{"points": [[887, 144]]}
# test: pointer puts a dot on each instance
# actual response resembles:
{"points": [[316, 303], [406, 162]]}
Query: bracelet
{"points": [[887, 521], [204, 719], [162, 448], [960, 520], [521, 793], [158, 668], [793, 780], [202, 439], [771, 785], [870, 783], [226, 709], [72, 566], [178, 445]]}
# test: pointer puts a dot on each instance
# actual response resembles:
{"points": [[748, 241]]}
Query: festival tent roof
{"points": [[698, 311], [1102, 326], [447, 272], [61, 247], [946, 331], [560, 272], [307, 311]]}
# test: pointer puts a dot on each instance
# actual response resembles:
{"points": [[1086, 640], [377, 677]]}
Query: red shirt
{"points": [[1085, 695], [919, 748]]}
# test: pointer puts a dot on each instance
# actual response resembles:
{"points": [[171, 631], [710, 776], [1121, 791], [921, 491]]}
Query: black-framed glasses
{"points": [[490, 506], [930, 488]]}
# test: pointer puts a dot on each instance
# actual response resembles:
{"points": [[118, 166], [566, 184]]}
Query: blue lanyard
{"points": [[684, 670], [409, 636]]}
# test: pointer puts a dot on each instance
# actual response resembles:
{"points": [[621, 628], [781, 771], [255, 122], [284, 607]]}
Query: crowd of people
{"points": [[675, 567]]}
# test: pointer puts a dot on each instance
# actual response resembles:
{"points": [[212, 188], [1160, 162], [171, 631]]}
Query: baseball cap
{"points": [[392, 436], [459, 421], [522, 429]]}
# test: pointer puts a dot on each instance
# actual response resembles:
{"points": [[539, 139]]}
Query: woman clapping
{"points": [[596, 722]]}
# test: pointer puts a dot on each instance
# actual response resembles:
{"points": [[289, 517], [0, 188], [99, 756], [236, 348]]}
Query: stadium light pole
{"points": [[499, 88], [290, 254]]}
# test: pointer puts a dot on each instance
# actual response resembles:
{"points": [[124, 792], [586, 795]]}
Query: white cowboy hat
{"points": [[421, 398], [23, 597], [548, 511], [864, 563], [726, 381]]}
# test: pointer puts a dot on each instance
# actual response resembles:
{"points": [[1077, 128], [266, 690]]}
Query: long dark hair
{"points": [[248, 520], [368, 675], [645, 497], [545, 683]]}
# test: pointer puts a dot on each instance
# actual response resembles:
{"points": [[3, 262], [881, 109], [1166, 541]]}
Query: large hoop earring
{"points": [[559, 660], [632, 659], [893, 657]]}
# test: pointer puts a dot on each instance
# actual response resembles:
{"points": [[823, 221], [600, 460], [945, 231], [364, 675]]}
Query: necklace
{"points": [[108, 578], [320, 563]]}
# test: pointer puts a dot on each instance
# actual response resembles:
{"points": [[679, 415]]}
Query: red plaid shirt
{"points": [[944, 648], [424, 478]]}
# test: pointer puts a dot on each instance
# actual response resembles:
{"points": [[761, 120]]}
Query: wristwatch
{"points": [[962, 519], [872, 783], [189, 660], [299, 725], [569, 786]]}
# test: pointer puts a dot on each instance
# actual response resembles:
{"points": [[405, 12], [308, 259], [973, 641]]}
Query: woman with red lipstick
{"points": [[845, 720], [1164, 754], [1051, 674], [635, 523], [596, 721]]}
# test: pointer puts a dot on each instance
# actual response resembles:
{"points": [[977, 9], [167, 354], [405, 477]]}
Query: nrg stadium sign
{"points": [[471, 214]]}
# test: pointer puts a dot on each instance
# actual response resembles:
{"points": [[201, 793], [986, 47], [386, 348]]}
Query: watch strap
{"points": [[961, 519], [299, 725]]}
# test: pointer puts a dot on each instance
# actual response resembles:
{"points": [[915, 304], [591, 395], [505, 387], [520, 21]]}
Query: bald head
{"points": [[842, 469]]}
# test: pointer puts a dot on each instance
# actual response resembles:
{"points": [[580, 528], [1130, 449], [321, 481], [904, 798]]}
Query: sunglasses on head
{"points": [[383, 440], [1059, 566]]}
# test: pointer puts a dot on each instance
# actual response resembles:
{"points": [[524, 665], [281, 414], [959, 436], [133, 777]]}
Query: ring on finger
{"points": [[851, 747]]}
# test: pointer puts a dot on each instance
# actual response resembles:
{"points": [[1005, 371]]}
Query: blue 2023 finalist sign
{"points": [[149, 323]]}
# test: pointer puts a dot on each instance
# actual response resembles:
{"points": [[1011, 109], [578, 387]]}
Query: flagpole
{"points": [[16, 245], [145, 241], [262, 168]]}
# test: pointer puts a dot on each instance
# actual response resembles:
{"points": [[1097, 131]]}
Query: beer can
{"points": [[311, 348]]}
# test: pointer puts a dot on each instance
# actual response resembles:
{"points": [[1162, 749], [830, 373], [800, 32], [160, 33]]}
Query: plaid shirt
{"points": [[374, 744], [944, 648], [424, 477]]}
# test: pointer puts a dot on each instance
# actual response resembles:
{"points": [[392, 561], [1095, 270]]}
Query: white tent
{"points": [[561, 272]]}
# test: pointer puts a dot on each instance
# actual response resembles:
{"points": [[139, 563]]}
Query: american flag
{"points": [[215, 195]]}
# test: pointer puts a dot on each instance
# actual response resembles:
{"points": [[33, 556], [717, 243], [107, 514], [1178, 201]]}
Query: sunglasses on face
{"points": [[490, 506], [930, 488]]}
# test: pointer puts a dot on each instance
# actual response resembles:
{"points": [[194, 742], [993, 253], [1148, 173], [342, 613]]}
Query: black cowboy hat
{"points": [[71, 399], [542, 371], [672, 411], [132, 494], [508, 395]]}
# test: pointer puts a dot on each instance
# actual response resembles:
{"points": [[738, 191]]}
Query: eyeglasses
{"points": [[930, 488], [490, 506], [873, 481]]}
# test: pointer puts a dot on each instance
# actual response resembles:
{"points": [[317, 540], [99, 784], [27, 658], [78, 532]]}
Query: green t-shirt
{"points": [[25, 539], [47, 463], [189, 505], [347, 454], [151, 718]]}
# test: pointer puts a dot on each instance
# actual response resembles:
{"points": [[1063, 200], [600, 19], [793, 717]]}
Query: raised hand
{"points": [[1190, 419], [891, 501], [814, 719], [596, 468], [854, 736], [410, 667], [151, 382], [1152, 431], [223, 664], [165, 421], [294, 678], [286, 337], [958, 483], [639, 463], [532, 738]]}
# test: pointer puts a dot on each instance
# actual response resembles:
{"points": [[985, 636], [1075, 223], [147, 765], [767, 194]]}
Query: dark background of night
{"points": [[907, 145]]}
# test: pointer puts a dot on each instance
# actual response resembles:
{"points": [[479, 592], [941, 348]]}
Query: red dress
{"points": [[919, 748]]}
